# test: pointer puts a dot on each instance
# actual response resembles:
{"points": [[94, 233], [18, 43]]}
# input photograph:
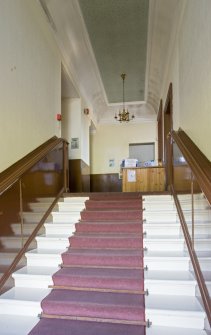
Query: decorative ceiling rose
{"points": [[124, 115]]}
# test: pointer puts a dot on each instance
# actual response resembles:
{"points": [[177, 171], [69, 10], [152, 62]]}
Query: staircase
{"points": [[173, 305]]}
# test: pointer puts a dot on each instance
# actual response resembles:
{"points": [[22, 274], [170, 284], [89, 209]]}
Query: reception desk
{"points": [[146, 179]]}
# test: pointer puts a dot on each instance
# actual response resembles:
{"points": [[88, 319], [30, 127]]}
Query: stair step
{"points": [[79, 200], [167, 261], [22, 301], [52, 241], [62, 327], [164, 243], [120, 306], [65, 217], [97, 278], [15, 241], [163, 228], [34, 276], [115, 205], [171, 311], [170, 282], [17, 324], [59, 228], [159, 330], [85, 227], [41, 206], [163, 216], [103, 241], [70, 207], [103, 258], [7, 256], [44, 257], [99, 215], [29, 217], [45, 199], [27, 228]]}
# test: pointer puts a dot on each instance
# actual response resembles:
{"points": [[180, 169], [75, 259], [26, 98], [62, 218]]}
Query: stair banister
{"points": [[200, 168], [14, 175]]}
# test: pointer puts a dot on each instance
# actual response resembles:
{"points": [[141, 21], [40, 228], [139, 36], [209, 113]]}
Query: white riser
{"points": [[79, 200], [167, 263], [171, 206], [208, 285], [46, 199], [46, 242], [27, 228], [169, 287], [188, 197], [70, 207], [200, 228], [66, 217], [175, 229], [8, 257], [44, 258], [164, 244], [59, 228], [205, 264], [37, 277], [157, 198], [176, 318], [161, 229], [41, 207], [22, 301], [202, 245], [200, 216], [34, 217], [155, 216], [15, 242]]}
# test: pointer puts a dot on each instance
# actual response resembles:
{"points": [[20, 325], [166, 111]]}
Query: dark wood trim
{"points": [[79, 176], [14, 172], [23, 250], [160, 131], [198, 162], [168, 127], [105, 182], [197, 270]]}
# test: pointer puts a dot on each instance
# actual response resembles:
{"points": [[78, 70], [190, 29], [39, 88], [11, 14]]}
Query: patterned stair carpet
{"points": [[100, 288]]}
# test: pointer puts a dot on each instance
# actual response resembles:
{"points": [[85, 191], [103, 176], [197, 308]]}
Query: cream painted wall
{"points": [[112, 142], [190, 72], [30, 86], [71, 124], [76, 125]]}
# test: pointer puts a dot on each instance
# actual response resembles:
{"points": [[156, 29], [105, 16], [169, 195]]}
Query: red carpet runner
{"points": [[100, 287]]}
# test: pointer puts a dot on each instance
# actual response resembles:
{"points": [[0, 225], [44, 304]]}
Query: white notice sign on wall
{"points": [[131, 176]]}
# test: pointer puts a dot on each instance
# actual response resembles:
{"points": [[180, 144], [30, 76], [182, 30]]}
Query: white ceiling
{"points": [[80, 73]]}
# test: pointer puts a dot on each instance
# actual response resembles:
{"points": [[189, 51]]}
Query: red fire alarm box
{"points": [[59, 117]]}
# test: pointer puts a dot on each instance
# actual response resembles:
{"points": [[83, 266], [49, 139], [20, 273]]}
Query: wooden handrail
{"points": [[198, 162], [13, 173], [22, 251]]}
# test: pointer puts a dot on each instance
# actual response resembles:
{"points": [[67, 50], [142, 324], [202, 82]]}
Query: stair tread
{"points": [[173, 303], [103, 252], [17, 324], [70, 327], [45, 251], [36, 270], [185, 276], [159, 330], [123, 306], [25, 294]]}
